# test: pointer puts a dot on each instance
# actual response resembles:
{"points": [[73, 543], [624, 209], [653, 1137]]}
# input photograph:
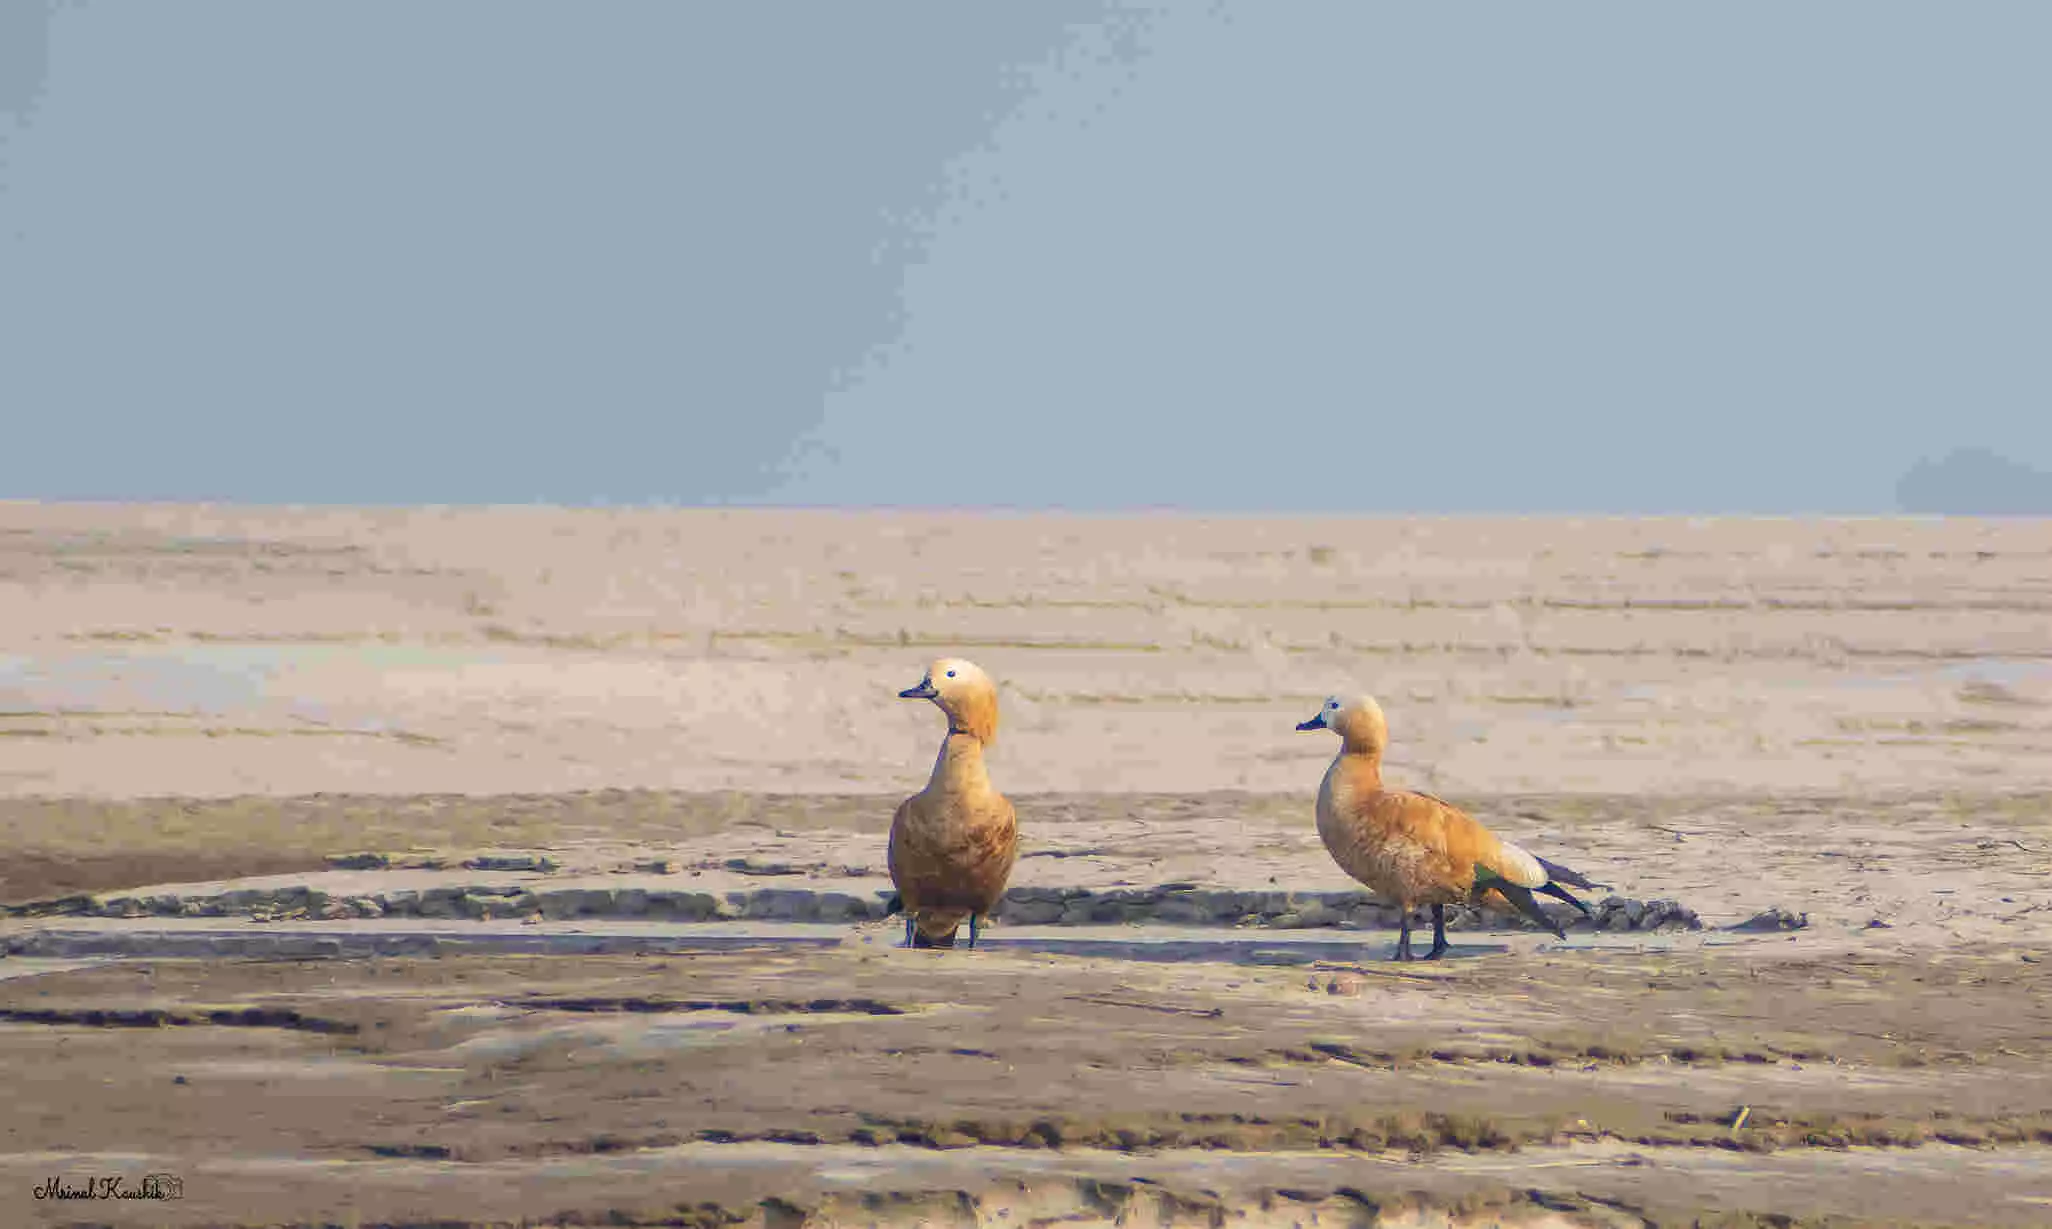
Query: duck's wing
{"points": [[1521, 866], [1510, 870], [1469, 843], [897, 854]]}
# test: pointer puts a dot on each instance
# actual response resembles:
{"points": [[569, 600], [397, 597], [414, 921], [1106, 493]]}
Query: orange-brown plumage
{"points": [[1414, 849], [953, 844]]}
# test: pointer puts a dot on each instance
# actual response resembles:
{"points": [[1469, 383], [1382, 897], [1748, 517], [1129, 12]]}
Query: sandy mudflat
{"points": [[627, 776], [185, 650]]}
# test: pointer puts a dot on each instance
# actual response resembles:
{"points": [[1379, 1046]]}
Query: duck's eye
{"points": [[951, 674], [1332, 704]]}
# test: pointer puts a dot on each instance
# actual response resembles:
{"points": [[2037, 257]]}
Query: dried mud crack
{"points": [[157, 1017], [1412, 1133], [1318, 1052], [773, 1007]]}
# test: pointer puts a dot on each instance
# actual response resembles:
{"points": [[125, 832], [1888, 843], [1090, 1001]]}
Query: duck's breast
{"points": [[1391, 841], [952, 851]]}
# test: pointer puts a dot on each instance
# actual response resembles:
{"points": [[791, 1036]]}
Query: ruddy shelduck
{"points": [[1412, 848], [953, 843]]}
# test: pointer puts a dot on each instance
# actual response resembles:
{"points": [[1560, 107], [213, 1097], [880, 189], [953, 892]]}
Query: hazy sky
{"points": [[1307, 256]]}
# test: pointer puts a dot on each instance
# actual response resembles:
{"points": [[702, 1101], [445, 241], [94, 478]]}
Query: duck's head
{"points": [[1357, 719], [962, 691]]}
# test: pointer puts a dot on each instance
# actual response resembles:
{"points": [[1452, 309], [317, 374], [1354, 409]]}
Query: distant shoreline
{"points": [[914, 511]]}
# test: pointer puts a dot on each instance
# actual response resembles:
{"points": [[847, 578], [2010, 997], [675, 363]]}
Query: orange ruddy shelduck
{"points": [[1415, 849], [953, 843]]}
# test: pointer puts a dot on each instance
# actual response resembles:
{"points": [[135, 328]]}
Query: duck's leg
{"points": [[1438, 933], [911, 931], [974, 929], [1403, 951]]}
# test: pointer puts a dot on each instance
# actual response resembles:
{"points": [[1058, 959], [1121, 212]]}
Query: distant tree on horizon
{"points": [[1974, 482]]}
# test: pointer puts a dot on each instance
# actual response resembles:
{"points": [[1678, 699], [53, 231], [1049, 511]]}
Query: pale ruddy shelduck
{"points": [[1412, 848], [953, 843]]}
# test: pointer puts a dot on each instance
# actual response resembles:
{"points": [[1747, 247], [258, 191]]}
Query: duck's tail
{"points": [[1521, 899], [1522, 873], [936, 927], [1556, 875], [1561, 874], [928, 929]]}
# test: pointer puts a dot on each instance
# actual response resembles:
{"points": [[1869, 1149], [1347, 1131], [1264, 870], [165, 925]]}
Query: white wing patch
{"points": [[1522, 868]]}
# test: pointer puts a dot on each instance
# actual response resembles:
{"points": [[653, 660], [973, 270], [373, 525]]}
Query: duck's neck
{"points": [[1362, 766], [959, 768]]}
